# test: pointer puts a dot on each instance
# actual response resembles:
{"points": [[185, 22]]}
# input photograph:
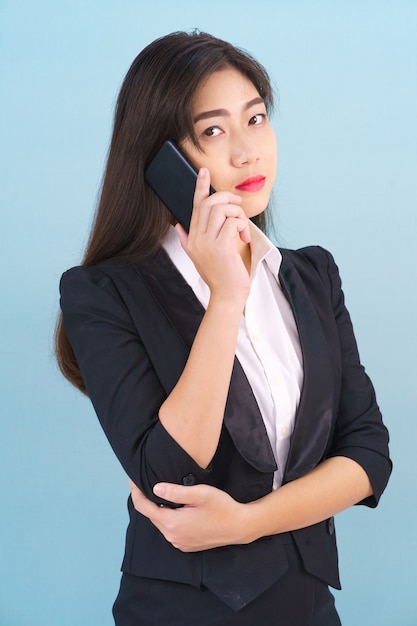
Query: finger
{"points": [[244, 233], [133, 488], [201, 192], [179, 494], [232, 227], [202, 186], [141, 502], [202, 189], [204, 202], [228, 219], [214, 211]]}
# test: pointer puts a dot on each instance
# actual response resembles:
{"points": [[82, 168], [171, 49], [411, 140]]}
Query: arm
{"points": [[357, 469], [193, 412], [211, 518], [160, 438], [328, 489], [119, 376], [360, 433]]}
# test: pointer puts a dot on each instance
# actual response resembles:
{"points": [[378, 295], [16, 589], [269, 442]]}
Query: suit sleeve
{"points": [[120, 380], [359, 433]]}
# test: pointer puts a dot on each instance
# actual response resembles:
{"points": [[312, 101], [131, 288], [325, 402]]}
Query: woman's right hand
{"points": [[219, 231], [193, 412]]}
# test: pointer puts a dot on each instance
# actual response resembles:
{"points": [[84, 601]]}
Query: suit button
{"points": [[330, 526], [189, 480]]}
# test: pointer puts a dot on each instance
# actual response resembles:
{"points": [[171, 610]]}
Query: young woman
{"points": [[224, 371]]}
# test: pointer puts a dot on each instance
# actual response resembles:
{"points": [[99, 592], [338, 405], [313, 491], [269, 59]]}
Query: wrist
{"points": [[226, 303], [247, 523]]}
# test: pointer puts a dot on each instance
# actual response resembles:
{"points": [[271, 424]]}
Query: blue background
{"points": [[346, 127]]}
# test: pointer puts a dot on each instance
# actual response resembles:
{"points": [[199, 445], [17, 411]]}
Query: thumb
{"points": [[202, 186], [179, 494]]}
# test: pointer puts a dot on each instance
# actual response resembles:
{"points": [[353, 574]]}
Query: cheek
{"points": [[274, 152], [214, 165], [197, 158], [272, 160], [271, 147], [218, 180], [191, 152]]}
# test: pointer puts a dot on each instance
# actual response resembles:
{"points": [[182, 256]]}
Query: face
{"points": [[237, 142]]}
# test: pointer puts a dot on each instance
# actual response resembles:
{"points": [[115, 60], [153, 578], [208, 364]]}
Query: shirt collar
{"points": [[263, 250]]}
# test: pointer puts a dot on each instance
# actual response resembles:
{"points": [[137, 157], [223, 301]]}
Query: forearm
{"points": [[210, 518], [193, 412], [331, 487]]}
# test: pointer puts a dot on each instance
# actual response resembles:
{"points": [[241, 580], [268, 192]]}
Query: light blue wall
{"points": [[346, 73]]}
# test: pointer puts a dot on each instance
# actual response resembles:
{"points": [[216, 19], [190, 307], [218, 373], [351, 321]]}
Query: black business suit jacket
{"points": [[131, 327]]}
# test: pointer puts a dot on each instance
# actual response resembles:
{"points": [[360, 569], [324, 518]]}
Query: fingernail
{"points": [[202, 172], [159, 490]]}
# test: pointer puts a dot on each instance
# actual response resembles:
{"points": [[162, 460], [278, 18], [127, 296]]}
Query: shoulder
{"points": [[96, 287], [311, 261], [107, 284], [80, 281], [309, 257], [113, 270], [100, 274], [317, 269], [105, 275]]}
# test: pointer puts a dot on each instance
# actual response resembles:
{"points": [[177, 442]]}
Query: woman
{"points": [[224, 372]]}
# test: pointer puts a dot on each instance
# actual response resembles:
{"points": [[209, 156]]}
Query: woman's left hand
{"points": [[209, 517]]}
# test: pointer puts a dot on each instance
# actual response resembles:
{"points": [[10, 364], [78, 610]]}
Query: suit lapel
{"points": [[313, 422], [181, 317], [178, 315]]}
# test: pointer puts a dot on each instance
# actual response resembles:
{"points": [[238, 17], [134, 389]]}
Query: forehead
{"points": [[223, 89]]}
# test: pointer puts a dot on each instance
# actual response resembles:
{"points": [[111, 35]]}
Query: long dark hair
{"points": [[154, 104]]}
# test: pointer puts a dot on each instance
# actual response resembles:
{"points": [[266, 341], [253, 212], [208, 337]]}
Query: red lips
{"points": [[253, 183]]}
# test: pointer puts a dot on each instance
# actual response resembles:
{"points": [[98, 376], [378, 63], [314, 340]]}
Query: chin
{"points": [[254, 211]]}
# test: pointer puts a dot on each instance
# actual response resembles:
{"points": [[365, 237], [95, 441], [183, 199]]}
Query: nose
{"points": [[244, 151]]}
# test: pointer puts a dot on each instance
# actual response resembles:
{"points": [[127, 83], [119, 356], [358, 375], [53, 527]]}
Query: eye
{"points": [[257, 119], [212, 131]]}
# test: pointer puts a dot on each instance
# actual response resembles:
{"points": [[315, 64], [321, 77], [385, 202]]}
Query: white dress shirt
{"points": [[268, 346]]}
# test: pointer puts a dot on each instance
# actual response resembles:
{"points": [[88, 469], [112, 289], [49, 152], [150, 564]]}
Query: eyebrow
{"points": [[204, 115]]}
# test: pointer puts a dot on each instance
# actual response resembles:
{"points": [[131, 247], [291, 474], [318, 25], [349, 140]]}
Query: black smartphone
{"points": [[172, 177]]}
